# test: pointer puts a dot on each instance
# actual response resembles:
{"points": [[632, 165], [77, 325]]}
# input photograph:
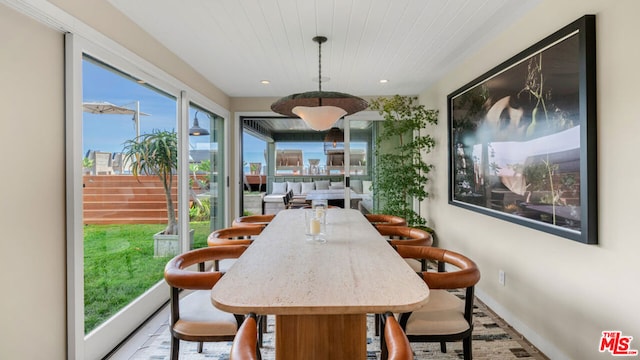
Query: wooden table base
{"points": [[321, 337]]}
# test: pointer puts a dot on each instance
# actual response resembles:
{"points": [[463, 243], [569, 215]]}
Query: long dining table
{"points": [[320, 293]]}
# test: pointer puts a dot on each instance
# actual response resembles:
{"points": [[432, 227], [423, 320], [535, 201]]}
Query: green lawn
{"points": [[119, 266]]}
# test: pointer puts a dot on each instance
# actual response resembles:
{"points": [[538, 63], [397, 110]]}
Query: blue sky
{"points": [[107, 132]]}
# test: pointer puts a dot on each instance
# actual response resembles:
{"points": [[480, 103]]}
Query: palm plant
{"points": [[156, 153]]}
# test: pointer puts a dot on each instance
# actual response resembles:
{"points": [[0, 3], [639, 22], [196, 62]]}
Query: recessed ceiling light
{"points": [[384, 81], [265, 82]]}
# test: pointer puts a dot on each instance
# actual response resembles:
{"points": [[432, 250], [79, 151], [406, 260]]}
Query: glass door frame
{"points": [[363, 115], [237, 150], [107, 336], [237, 178]]}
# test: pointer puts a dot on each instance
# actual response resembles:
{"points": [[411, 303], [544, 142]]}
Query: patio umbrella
{"points": [[103, 107]]}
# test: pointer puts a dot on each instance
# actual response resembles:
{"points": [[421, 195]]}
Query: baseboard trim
{"points": [[533, 337]]}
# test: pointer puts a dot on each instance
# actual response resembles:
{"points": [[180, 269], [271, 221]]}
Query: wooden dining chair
{"points": [[383, 219], [445, 317], [245, 345], [252, 220], [193, 317], [394, 344]]}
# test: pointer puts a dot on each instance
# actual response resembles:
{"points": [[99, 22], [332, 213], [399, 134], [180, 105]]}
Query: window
{"points": [[115, 261]]}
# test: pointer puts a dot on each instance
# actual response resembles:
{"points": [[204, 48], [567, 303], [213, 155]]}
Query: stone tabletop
{"points": [[354, 272]]}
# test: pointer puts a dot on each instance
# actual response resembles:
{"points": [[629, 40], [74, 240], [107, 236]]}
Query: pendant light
{"points": [[196, 130], [319, 109]]}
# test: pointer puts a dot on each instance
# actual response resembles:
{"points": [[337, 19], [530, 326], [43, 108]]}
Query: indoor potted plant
{"points": [[156, 153], [401, 173]]}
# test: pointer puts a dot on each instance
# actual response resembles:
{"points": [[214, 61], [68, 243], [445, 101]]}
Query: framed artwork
{"points": [[522, 137]]}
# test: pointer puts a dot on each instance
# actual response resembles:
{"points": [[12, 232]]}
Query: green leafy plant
{"points": [[253, 167], [201, 167], [156, 153], [401, 172], [202, 184], [200, 211], [87, 163]]}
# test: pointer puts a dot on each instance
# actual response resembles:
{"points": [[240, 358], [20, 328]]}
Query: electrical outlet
{"points": [[501, 277]]}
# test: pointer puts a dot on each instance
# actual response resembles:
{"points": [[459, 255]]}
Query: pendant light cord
{"points": [[320, 66], [319, 40]]}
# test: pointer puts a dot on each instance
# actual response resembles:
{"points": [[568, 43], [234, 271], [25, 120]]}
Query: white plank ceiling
{"points": [[237, 43]]}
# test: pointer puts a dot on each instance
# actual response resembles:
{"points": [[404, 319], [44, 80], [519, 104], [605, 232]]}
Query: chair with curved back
{"points": [[383, 219], [253, 220], [394, 344], [242, 235], [404, 235], [193, 317], [232, 236], [245, 345], [239, 235], [445, 317]]}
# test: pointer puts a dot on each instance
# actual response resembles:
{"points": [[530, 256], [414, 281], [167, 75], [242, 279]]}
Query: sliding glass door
{"points": [[207, 174], [284, 150], [125, 222], [125, 205], [358, 155]]}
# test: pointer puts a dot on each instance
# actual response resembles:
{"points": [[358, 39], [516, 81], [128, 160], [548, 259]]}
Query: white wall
{"points": [[559, 293], [32, 179], [32, 190]]}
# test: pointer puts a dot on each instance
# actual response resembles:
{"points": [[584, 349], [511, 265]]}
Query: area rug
{"points": [[493, 339]]}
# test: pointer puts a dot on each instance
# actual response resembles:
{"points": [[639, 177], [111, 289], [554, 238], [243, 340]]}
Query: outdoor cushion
{"points": [[295, 186], [273, 198], [307, 186], [336, 185], [322, 184], [356, 185], [279, 188], [366, 186]]}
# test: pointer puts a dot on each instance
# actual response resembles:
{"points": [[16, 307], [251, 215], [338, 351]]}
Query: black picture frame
{"points": [[522, 137]]}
